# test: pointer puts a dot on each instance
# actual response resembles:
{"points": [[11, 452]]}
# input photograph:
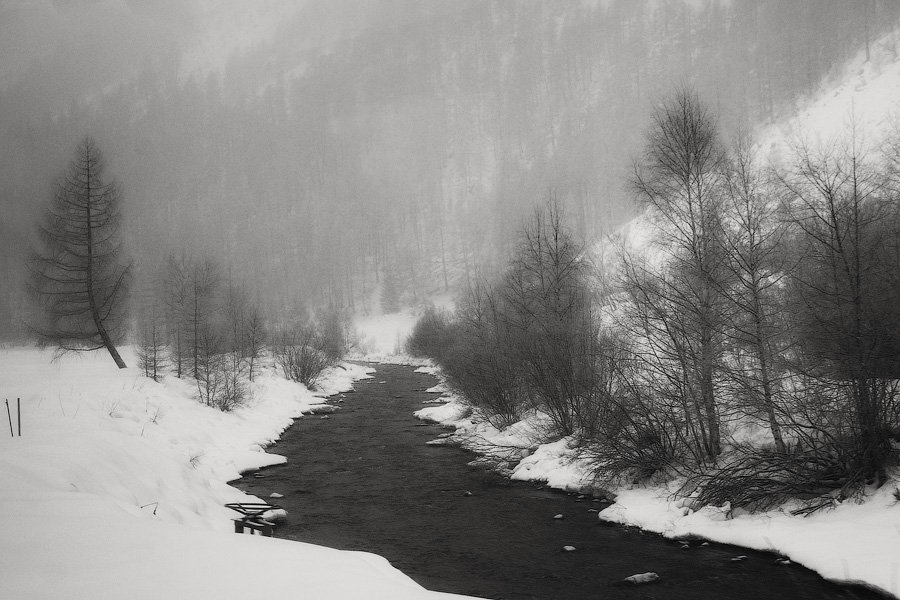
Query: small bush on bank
{"points": [[545, 307], [303, 353], [633, 442], [431, 335], [761, 478], [479, 361], [333, 328], [221, 376], [488, 381]]}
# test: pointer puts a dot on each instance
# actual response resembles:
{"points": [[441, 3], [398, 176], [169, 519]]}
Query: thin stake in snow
{"points": [[19, 415], [11, 434]]}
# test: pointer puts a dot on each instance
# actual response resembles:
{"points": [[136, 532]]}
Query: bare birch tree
{"points": [[757, 263], [678, 178]]}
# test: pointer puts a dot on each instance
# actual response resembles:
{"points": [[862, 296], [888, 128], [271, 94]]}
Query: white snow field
{"points": [[862, 95], [116, 487], [381, 337]]}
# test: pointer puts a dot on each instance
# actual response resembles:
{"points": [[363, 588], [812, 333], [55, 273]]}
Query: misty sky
{"points": [[316, 148]]}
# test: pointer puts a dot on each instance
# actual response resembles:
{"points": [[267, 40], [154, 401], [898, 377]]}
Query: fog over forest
{"points": [[322, 150]]}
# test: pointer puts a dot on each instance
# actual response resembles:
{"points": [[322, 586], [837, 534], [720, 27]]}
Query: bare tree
{"points": [[246, 328], [78, 276], [254, 341], [175, 291], [479, 358], [220, 373], [682, 306], [300, 351], [844, 303], [204, 279], [547, 308], [151, 340], [753, 240]]}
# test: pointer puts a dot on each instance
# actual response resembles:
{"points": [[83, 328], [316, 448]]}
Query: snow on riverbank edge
{"points": [[117, 487], [854, 543]]}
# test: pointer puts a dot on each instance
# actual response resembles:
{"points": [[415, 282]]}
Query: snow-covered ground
{"points": [[381, 337], [862, 94], [116, 489]]}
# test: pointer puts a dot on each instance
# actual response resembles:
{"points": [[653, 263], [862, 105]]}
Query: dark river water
{"points": [[364, 479]]}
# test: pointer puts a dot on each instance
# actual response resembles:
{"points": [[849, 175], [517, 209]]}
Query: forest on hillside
{"points": [[389, 144]]}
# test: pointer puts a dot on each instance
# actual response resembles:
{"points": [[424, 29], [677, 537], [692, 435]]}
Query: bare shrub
{"points": [[632, 435], [828, 460], [430, 336], [220, 375], [333, 326], [244, 328], [151, 345], [301, 354], [760, 479], [844, 302], [480, 363], [528, 341], [253, 347], [545, 312]]}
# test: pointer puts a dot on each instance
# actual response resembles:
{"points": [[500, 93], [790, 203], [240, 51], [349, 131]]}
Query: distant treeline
{"points": [[412, 148]]}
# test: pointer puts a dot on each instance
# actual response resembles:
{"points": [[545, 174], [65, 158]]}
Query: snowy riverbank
{"points": [[856, 542], [117, 484]]}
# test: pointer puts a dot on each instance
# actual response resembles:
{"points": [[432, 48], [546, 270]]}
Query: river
{"points": [[363, 478]]}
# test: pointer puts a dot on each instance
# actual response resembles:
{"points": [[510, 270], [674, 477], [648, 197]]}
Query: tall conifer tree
{"points": [[78, 274]]}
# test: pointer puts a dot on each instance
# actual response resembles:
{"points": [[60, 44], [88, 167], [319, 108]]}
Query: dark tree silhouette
{"points": [[78, 276]]}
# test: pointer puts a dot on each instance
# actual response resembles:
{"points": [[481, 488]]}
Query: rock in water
{"points": [[642, 578], [467, 493], [559, 516], [568, 548], [276, 495], [275, 515], [739, 558]]}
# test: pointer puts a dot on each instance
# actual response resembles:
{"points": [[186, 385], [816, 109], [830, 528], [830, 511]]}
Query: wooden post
{"points": [[260, 526]]}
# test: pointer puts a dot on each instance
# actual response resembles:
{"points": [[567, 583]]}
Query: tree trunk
{"points": [[89, 283]]}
